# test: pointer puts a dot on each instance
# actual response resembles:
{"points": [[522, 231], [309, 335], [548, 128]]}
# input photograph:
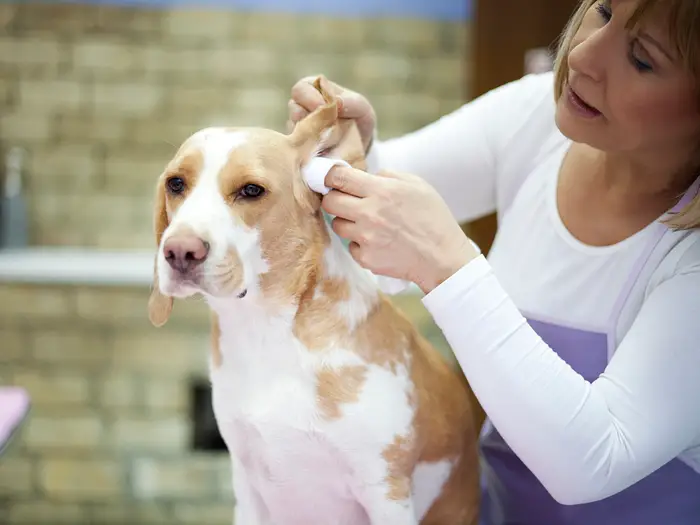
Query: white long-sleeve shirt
{"points": [[584, 441]]}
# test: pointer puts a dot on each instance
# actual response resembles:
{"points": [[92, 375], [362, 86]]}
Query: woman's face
{"points": [[627, 92]]}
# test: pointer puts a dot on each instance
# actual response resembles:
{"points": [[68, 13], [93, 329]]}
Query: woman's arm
{"points": [[584, 441], [458, 154]]}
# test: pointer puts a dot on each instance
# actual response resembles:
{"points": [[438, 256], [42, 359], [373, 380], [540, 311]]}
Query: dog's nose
{"points": [[184, 253]]}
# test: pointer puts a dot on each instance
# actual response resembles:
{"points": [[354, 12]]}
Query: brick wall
{"points": [[99, 96]]}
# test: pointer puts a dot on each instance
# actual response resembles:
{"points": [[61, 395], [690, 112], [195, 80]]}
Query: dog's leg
{"points": [[248, 507], [385, 508]]}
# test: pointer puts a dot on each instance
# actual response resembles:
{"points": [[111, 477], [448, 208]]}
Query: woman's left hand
{"points": [[398, 226]]}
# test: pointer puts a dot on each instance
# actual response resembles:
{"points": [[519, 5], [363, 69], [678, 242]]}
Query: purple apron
{"points": [[512, 495]]}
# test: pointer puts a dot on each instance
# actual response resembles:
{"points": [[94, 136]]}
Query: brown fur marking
{"points": [[217, 357], [338, 386]]}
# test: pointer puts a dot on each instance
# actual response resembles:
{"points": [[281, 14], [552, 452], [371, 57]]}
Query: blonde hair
{"points": [[684, 30]]}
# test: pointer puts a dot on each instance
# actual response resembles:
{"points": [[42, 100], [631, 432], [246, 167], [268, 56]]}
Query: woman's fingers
{"points": [[351, 181]]}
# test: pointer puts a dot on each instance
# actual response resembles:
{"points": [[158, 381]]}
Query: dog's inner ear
{"points": [[159, 306]]}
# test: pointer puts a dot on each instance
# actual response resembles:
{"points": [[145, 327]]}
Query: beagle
{"points": [[334, 409]]}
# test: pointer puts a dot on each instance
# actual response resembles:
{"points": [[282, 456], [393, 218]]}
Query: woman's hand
{"points": [[397, 225], [306, 98]]}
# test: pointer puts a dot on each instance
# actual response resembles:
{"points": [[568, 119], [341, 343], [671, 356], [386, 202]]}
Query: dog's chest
{"points": [[272, 423]]}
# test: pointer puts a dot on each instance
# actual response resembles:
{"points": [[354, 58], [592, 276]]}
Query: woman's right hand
{"points": [[306, 98]]}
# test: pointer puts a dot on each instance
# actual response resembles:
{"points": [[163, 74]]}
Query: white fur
{"points": [[290, 465]]}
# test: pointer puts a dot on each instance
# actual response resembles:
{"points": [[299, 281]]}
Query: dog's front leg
{"points": [[248, 509], [383, 507]]}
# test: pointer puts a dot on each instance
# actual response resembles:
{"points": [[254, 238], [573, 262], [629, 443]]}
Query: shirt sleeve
{"points": [[458, 154], [584, 441]]}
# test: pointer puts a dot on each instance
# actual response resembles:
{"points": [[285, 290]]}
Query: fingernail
{"points": [[341, 104]]}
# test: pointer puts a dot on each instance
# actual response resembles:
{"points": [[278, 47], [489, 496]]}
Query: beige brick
{"points": [[55, 17], [335, 34], [21, 302], [193, 477], [126, 99], [129, 304], [111, 514], [114, 305], [199, 24], [8, 92], [106, 58], [16, 477], [13, 346], [119, 391], [410, 34], [75, 431], [30, 50], [253, 65], [56, 235], [25, 126], [277, 29], [187, 63], [164, 396], [52, 94], [69, 347], [35, 512], [150, 433], [161, 352], [382, 66], [75, 479], [121, 21], [8, 13], [77, 127], [55, 388], [212, 514], [76, 164], [136, 172], [152, 514], [171, 130], [115, 240]]}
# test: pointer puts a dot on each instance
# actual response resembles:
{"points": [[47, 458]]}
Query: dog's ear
{"points": [[322, 132], [159, 306], [315, 133]]}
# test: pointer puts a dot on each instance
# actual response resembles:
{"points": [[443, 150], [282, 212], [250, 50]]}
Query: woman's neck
{"points": [[642, 177]]}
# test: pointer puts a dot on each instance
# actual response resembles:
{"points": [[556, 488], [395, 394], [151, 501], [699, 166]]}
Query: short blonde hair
{"points": [[684, 30]]}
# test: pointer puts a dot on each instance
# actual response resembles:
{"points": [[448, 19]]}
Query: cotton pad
{"points": [[314, 173]]}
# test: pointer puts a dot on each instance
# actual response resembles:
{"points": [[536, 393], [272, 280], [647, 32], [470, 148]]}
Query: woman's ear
{"points": [[159, 306]]}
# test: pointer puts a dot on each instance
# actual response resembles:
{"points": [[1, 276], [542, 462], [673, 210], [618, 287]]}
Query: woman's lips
{"points": [[579, 106]]}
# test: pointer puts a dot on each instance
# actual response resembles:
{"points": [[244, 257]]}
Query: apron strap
{"points": [[661, 230]]}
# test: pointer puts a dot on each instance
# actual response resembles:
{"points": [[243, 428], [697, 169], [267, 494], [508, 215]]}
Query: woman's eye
{"points": [[604, 11], [175, 185], [251, 191]]}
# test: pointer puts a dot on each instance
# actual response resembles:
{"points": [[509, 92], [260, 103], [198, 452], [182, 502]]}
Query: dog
{"points": [[333, 407]]}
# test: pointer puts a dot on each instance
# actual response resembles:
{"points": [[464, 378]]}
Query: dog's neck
{"points": [[336, 282]]}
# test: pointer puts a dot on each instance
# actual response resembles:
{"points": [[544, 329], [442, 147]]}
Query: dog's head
{"points": [[234, 217]]}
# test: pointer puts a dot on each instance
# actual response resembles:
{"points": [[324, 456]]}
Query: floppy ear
{"points": [[323, 133], [159, 306], [314, 134]]}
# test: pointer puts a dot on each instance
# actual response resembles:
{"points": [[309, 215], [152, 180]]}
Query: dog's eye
{"points": [[175, 185], [251, 191]]}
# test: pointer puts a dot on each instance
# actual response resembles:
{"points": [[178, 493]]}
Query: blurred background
{"points": [[94, 97]]}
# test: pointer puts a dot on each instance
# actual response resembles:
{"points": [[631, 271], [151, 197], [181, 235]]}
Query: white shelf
{"points": [[74, 265]]}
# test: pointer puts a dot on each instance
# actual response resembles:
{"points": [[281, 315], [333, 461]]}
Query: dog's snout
{"points": [[185, 252]]}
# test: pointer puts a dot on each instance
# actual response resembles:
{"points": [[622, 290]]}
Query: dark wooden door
{"points": [[502, 33]]}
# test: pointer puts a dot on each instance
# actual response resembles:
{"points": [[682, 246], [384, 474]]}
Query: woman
{"points": [[581, 334]]}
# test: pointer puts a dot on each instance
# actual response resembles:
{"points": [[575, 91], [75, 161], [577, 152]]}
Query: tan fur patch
{"points": [[317, 325], [338, 386], [401, 458]]}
